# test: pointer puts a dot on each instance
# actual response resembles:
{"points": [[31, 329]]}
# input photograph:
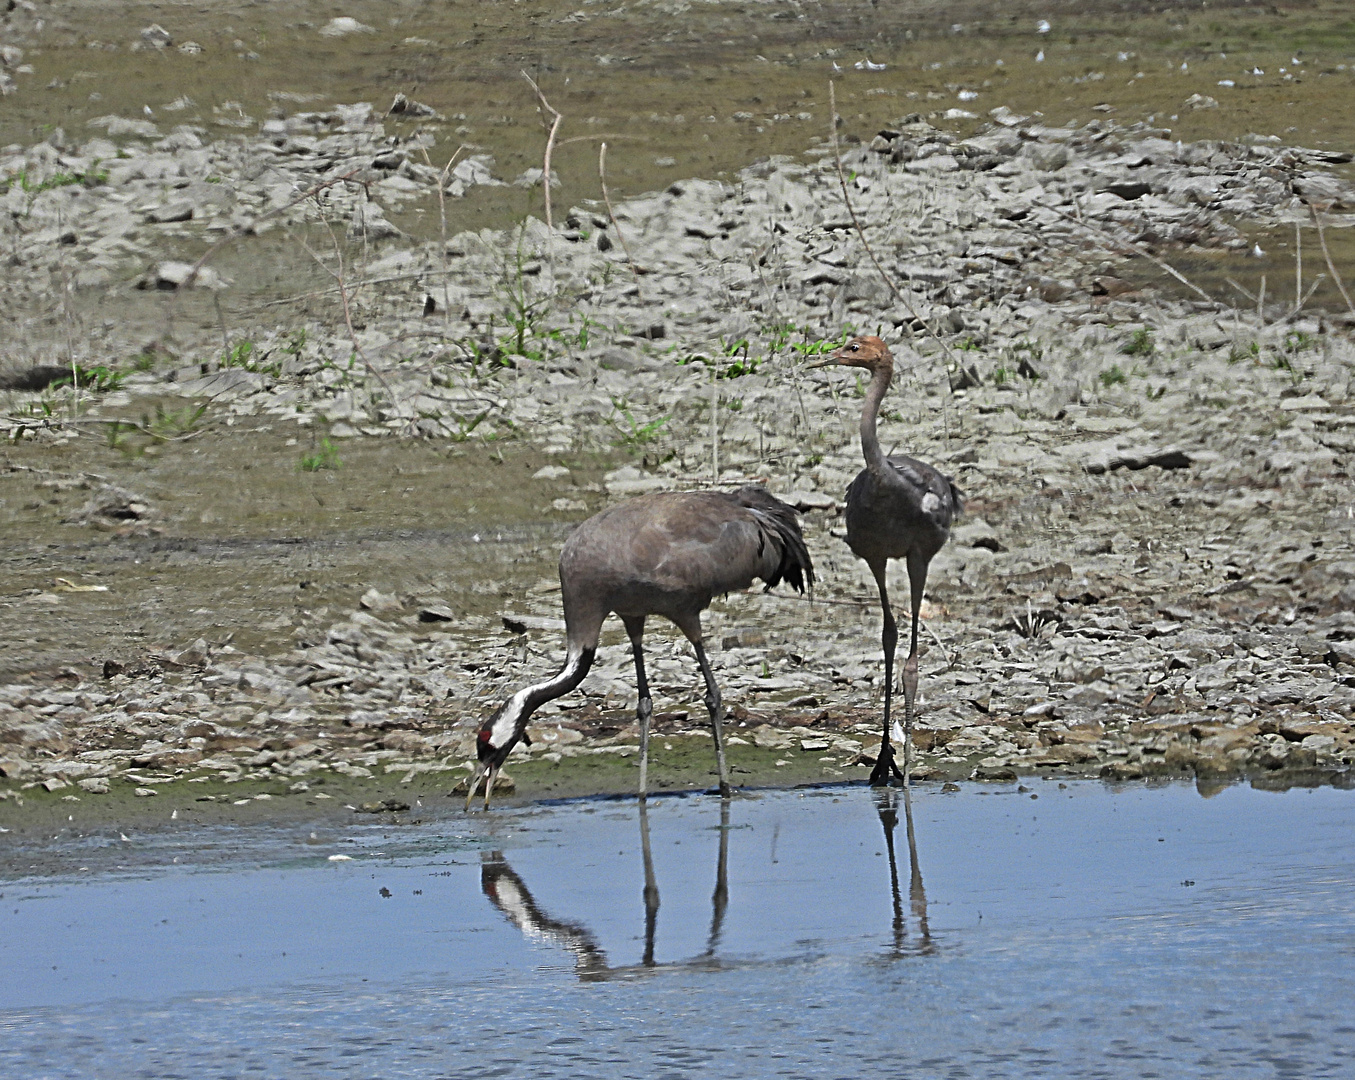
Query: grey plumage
{"points": [[897, 508], [666, 554]]}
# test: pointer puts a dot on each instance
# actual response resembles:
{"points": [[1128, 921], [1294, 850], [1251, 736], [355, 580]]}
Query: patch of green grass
{"points": [[165, 425], [1297, 341], [1113, 376], [1140, 343], [98, 379], [632, 432], [1000, 376], [296, 342], [242, 355], [324, 457], [1237, 353]]}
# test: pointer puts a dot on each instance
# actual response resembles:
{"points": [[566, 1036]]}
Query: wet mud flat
{"points": [[1097, 929], [263, 545]]}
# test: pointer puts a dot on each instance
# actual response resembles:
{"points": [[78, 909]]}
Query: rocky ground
{"points": [[1155, 575]]}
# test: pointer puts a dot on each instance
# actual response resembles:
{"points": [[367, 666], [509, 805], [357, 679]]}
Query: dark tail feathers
{"points": [[782, 522]]}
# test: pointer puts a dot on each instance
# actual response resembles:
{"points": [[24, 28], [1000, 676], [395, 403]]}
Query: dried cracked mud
{"points": [[292, 533]]}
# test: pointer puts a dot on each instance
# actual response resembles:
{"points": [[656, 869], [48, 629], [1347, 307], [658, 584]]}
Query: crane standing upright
{"points": [[897, 508]]}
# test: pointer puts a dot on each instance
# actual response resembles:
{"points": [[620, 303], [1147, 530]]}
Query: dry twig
{"points": [[861, 232], [546, 108], [1336, 277], [442, 222], [1129, 247], [338, 277], [636, 268], [244, 229]]}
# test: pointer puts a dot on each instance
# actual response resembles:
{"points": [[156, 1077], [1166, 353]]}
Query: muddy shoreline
{"points": [[294, 532]]}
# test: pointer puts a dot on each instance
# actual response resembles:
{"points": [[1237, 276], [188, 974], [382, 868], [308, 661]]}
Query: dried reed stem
{"points": [[442, 223], [546, 108], [636, 268], [1322, 239], [338, 277], [714, 422], [1129, 247], [243, 229], [1298, 268], [861, 232]]}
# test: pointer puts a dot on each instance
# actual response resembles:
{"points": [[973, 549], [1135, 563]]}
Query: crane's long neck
{"points": [[577, 662], [870, 410]]}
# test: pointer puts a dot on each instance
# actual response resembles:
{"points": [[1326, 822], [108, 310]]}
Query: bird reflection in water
{"points": [[510, 894], [887, 803]]}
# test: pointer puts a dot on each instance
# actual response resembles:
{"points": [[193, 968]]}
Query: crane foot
{"points": [[884, 766]]}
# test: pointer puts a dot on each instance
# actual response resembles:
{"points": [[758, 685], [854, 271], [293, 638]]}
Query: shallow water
{"points": [[1094, 931]]}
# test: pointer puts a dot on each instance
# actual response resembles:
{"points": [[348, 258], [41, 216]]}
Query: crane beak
{"points": [[490, 773], [832, 361], [474, 782]]}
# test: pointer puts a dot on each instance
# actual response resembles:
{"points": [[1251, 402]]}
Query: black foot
{"points": [[886, 767]]}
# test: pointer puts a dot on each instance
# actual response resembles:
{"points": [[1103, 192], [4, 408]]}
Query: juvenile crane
{"points": [[663, 554], [897, 508]]}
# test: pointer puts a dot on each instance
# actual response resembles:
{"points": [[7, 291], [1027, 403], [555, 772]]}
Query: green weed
{"points": [[166, 425], [1113, 376], [632, 432], [1140, 343], [296, 342], [325, 457], [241, 355], [465, 428], [98, 379], [1297, 341]]}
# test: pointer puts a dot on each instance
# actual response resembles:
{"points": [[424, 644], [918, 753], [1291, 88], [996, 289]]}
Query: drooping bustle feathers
{"points": [[782, 524]]}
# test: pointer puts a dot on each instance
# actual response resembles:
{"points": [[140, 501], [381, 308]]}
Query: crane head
{"points": [[495, 741], [867, 352]]}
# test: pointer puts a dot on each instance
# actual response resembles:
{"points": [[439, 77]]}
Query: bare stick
{"points": [[546, 107], [243, 229], [1322, 239], [347, 309], [1261, 301], [714, 422], [611, 215], [1245, 292], [442, 220], [1298, 268], [842, 182], [1131, 248]]}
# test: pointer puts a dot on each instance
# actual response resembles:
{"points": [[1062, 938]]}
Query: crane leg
{"points": [[884, 761], [635, 628], [917, 583], [715, 705]]}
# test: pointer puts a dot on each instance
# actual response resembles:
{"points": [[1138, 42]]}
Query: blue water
{"points": [[1095, 931]]}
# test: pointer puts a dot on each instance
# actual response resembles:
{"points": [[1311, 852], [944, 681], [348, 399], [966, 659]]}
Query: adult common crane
{"points": [[897, 508], [663, 554]]}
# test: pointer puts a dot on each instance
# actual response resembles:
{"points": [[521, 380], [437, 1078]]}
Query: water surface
{"points": [[1093, 931]]}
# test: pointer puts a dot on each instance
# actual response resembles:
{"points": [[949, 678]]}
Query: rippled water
{"points": [[1092, 931]]}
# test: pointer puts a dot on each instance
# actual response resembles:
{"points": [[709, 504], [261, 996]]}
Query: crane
{"points": [[668, 553], [897, 508]]}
